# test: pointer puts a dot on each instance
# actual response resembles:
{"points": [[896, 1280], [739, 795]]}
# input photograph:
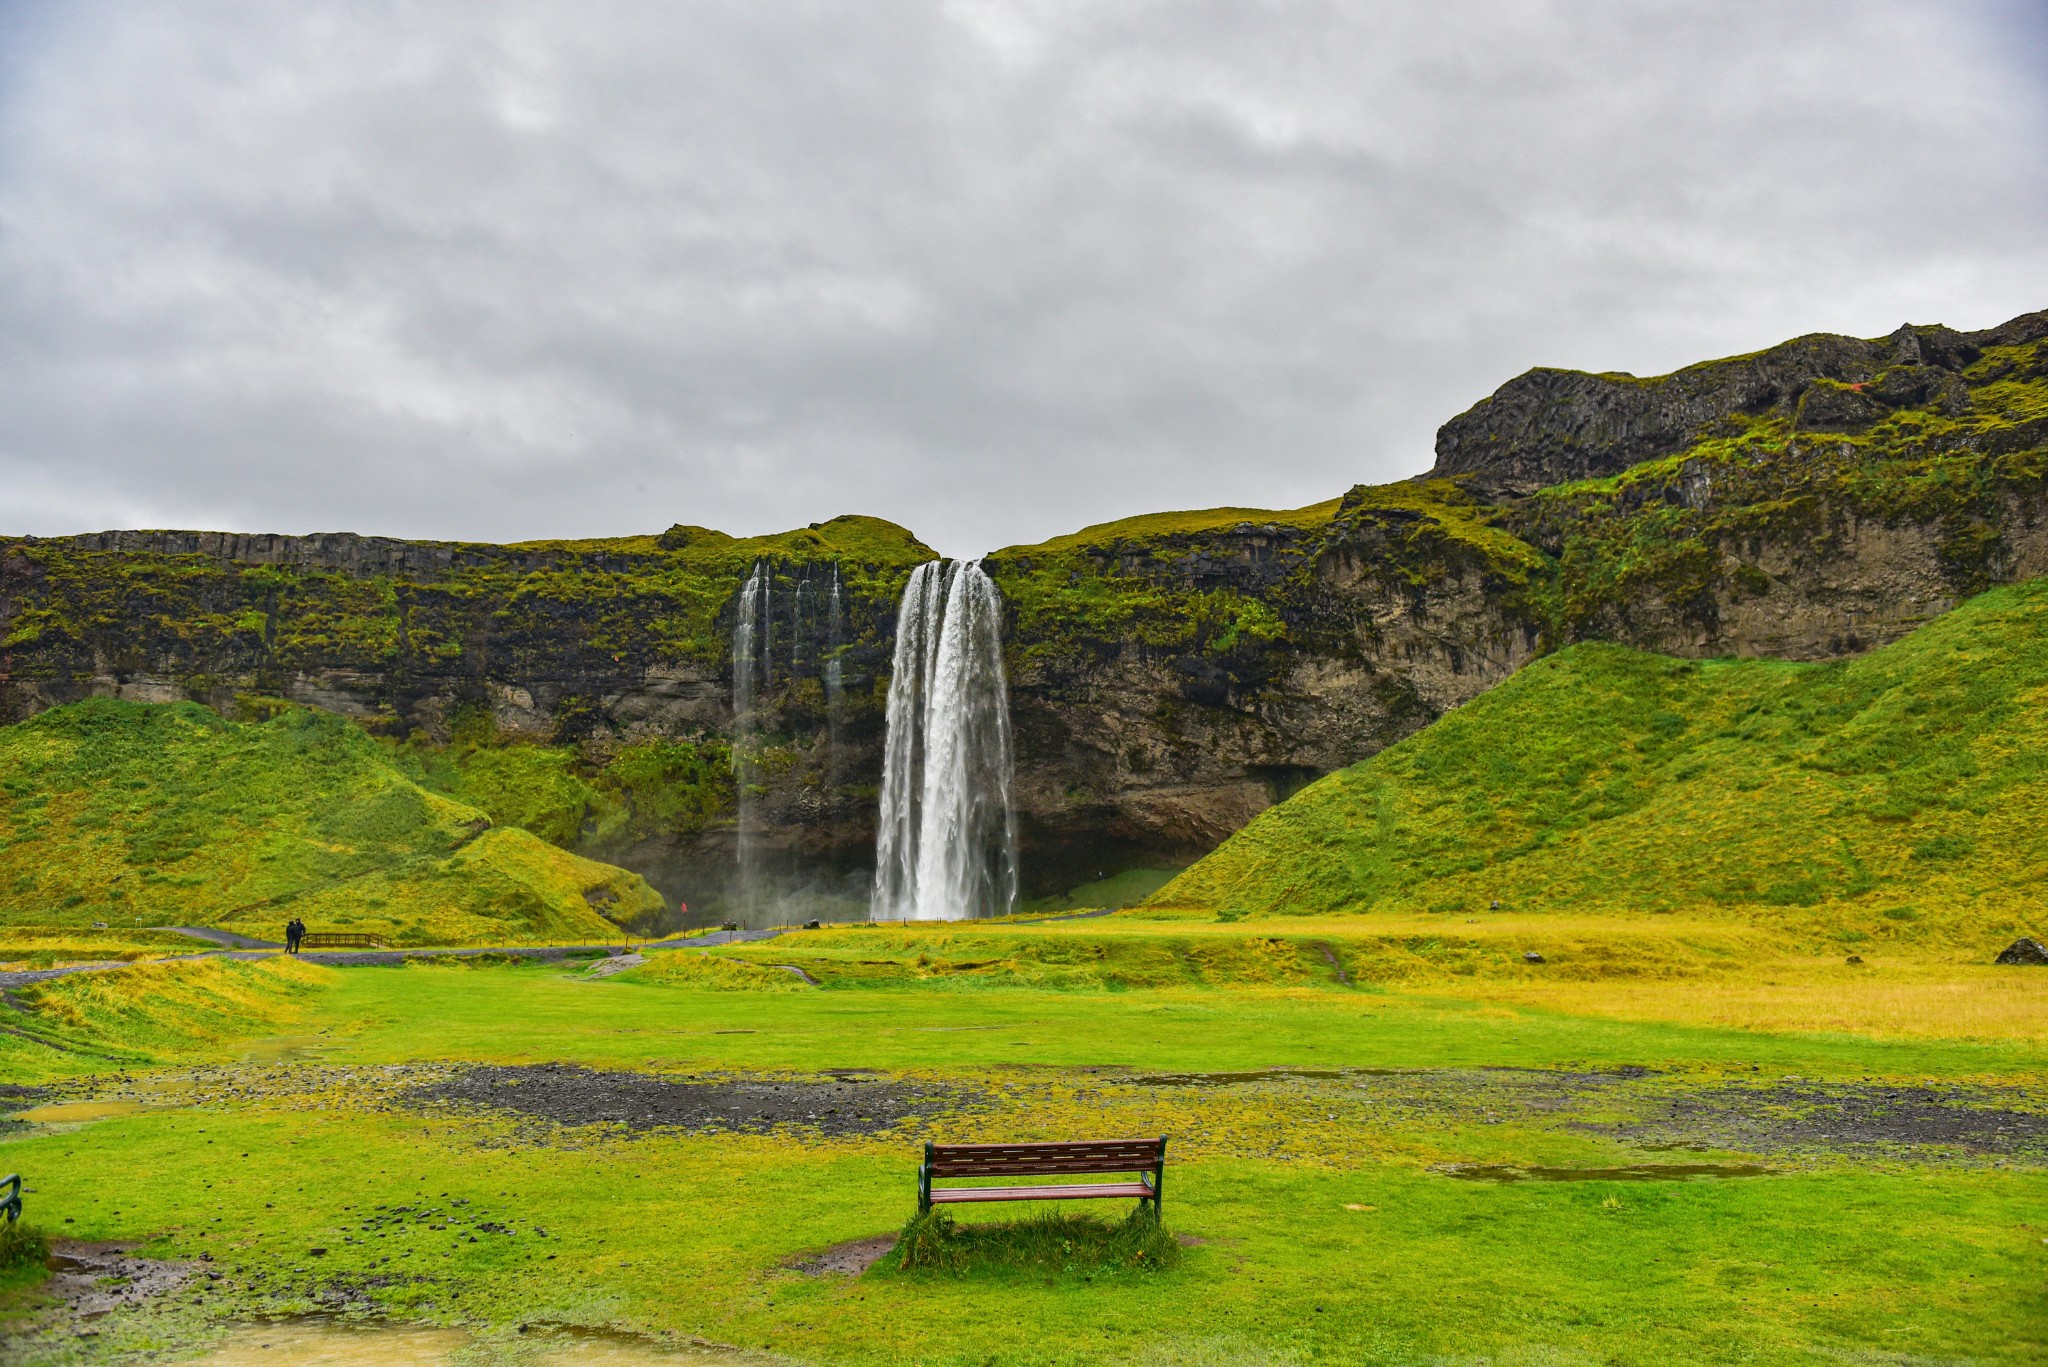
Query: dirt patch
{"points": [[851, 1258], [570, 1095], [1839, 1117], [91, 1279]]}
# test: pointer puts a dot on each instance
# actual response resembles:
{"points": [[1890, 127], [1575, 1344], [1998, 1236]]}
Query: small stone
{"points": [[317, 1252], [1530, 956], [1855, 958], [2025, 950]]}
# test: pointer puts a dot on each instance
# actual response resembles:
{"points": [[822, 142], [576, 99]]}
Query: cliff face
{"points": [[1553, 426], [1171, 675]]}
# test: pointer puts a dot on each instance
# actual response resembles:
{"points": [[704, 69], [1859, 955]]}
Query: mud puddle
{"points": [[570, 1095], [288, 1049], [1845, 1118], [83, 1112], [318, 1342], [1633, 1172]]}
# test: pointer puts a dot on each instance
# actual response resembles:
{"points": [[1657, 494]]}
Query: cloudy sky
{"points": [[992, 269]]}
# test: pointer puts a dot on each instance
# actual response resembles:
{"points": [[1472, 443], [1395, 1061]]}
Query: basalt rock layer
{"points": [[1171, 675]]}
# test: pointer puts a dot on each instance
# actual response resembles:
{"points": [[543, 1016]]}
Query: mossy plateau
{"points": [[1899, 795], [1243, 587], [132, 815]]}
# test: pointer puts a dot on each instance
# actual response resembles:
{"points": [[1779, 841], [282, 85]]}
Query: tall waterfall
{"points": [[752, 677], [946, 847]]}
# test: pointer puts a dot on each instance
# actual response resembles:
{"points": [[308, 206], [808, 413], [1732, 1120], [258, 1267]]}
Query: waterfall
{"points": [[946, 842], [835, 675], [751, 678]]}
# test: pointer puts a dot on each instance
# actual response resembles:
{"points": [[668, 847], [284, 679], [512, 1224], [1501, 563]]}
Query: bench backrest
{"points": [[1019, 1160]]}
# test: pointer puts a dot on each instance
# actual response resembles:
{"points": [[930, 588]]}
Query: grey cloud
{"points": [[993, 270]]}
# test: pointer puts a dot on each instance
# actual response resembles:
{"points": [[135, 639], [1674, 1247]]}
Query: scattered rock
{"points": [[1530, 956], [617, 963], [2025, 950], [1855, 958], [92, 1278]]}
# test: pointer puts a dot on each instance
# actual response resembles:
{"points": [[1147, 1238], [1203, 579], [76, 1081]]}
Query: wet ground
{"points": [[1273, 1113], [845, 1104], [1788, 1116]]}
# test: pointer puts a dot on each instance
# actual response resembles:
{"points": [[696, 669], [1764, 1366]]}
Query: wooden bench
{"points": [[328, 939], [1146, 1157]]}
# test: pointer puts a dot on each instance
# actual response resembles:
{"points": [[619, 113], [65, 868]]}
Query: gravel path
{"points": [[356, 958]]}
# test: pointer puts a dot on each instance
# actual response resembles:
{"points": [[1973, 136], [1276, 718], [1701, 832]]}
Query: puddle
{"points": [[287, 1049], [324, 1343], [1634, 1172], [79, 1112], [1255, 1075], [333, 1345]]}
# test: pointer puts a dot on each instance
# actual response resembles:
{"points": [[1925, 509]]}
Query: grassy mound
{"points": [[1902, 793], [959, 957], [150, 1010], [1049, 1243], [688, 968], [135, 815]]}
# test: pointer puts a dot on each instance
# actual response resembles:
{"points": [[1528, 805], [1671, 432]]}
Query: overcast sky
{"points": [[992, 270]]}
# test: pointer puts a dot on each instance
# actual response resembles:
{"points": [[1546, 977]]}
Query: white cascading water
{"points": [[946, 846]]}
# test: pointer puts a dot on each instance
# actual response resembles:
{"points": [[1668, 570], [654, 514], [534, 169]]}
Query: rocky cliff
{"points": [[1171, 675]]}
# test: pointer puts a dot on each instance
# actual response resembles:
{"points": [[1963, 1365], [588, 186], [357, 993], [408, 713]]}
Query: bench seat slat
{"points": [[1135, 1146], [959, 1195], [1019, 1167]]}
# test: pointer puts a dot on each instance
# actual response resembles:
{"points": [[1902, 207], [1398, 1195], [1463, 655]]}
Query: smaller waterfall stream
{"points": [[752, 677], [946, 841]]}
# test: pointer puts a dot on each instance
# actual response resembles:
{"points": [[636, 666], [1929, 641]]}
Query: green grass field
{"points": [[1639, 1012], [1325, 1212]]}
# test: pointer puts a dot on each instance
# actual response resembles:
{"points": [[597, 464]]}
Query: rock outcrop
{"points": [[1549, 427]]}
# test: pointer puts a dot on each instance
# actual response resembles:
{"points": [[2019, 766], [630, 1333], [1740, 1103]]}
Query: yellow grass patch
{"points": [[1883, 999]]}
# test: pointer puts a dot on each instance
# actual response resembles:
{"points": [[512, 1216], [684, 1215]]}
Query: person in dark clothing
{"points": [[294, 931]]}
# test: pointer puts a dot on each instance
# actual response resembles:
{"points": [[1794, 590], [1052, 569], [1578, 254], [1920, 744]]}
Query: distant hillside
{"points": [[1902, 793], [143, 815], [1171, 674]]}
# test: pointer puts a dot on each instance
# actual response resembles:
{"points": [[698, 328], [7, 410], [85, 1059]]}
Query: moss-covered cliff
{"points": [[1172, 675]]}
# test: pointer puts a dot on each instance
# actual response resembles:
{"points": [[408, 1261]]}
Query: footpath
{"points": [[244, 948]]}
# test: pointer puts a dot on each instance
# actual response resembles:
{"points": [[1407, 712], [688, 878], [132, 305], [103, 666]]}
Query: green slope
{"points": [[143, 815], [1903, 793]]}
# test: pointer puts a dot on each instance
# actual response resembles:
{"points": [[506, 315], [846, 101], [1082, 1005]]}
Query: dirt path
{"points": [[355, 958]]}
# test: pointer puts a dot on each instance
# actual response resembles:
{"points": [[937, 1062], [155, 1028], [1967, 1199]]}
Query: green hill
{"points": [[1902, 794], [147, 815]]}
